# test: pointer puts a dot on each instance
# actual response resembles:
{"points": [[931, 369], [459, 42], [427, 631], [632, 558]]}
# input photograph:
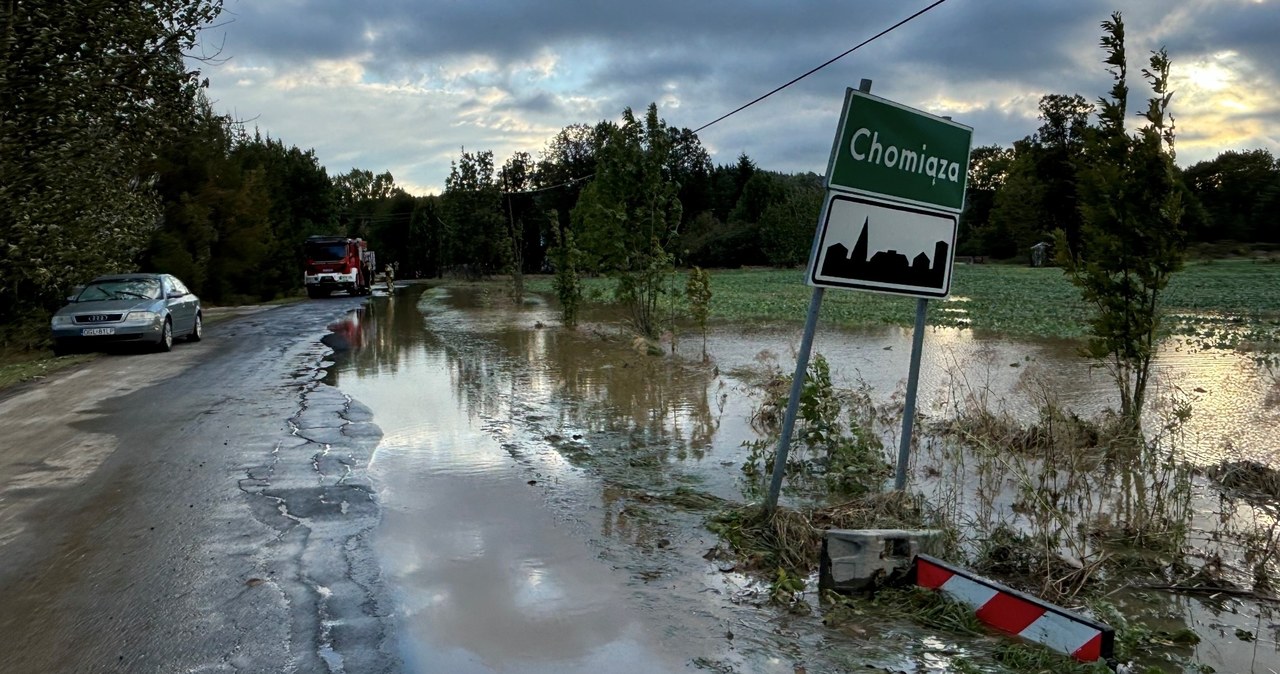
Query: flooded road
{"points": [[544, 492], [492, 540], [489, 578]]}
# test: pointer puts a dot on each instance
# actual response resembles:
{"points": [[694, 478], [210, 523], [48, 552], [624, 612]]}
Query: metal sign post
{"points": [[802, 359], [793, 401], [895, 189], [909, 405]]}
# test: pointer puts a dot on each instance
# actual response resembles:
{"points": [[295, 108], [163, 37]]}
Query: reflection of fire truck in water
{"points": [[337, 263], [348, 334]]}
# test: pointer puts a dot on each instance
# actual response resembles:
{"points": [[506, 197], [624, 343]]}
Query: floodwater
{"points": [[544, 491]]}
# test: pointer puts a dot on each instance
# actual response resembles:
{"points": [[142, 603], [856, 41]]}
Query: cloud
{"points": [[400, 85]]}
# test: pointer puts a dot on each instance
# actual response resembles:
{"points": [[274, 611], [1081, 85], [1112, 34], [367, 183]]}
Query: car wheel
{"points": [[197, 330], [60, 349], [166, 336]]}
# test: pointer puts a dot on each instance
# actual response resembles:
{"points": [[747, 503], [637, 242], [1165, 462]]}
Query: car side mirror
{"points": [[174, 294]]}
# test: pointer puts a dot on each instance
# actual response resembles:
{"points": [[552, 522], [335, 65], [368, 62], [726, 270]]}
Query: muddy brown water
{"points": [[537, 484]]}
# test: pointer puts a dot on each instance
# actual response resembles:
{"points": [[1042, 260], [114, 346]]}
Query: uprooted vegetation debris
{"points": [[792, 539], [1066, 508], [1249, 479]]}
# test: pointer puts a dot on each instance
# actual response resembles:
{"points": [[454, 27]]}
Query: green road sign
{"points": [[890, 150]]}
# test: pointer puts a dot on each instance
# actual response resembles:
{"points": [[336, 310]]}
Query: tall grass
{"points": [[1026, 492]]}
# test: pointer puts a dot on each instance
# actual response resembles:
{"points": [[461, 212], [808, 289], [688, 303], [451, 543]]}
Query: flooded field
{"points": [[545, 491]]}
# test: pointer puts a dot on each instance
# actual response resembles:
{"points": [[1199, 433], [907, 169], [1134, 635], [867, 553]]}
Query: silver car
{"points": [[149, 309]]}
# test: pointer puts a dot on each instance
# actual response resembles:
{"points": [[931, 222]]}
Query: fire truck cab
{"points": [[337, 263]]}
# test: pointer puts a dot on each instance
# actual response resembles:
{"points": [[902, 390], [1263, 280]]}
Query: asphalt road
{"points": [[203, 510]]}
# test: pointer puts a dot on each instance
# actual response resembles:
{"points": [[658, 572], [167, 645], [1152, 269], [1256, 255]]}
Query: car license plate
{"points": [[94, 332]]}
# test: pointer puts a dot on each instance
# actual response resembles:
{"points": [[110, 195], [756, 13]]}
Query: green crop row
{"points": [[1222, 303]]}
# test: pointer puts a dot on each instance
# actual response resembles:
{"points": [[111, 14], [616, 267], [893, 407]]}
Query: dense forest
{"points": [[113, 160]]}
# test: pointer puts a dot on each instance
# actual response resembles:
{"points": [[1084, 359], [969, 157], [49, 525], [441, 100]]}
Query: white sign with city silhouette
{"points": [[883, 246]]}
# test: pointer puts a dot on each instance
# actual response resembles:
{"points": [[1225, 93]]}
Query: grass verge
{"points": [[29, 366]]}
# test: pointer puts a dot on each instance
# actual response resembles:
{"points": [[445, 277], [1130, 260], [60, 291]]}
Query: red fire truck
{"points": [[337, 263]]}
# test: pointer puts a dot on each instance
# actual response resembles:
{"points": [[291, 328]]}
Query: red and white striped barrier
{"points": [[1016, 613]]}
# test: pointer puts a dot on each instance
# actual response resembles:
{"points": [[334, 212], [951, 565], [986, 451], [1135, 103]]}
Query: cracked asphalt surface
{"points": [[203, 510]]}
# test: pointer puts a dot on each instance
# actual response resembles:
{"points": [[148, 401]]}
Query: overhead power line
{"points": [[566, 183], [740, 108], [856, 47]]}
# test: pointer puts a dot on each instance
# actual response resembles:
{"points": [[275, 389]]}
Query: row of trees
{"points": [[113, 160], [236, 207], [1019, 195]]}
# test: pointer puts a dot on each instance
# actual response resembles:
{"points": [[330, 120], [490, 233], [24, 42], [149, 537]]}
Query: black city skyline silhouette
{"points": [[885, 266]]}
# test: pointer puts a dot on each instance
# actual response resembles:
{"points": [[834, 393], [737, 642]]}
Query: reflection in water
{"points": [[487, 578], [530, 477], [523, 475], [487, 583], [584, 395], [1235, 635]]}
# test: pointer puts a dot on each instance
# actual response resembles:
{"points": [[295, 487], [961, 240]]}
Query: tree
{"points": [[788, 221], [1240, 192], [722, 227], [228, 193], [189, 172], [241, 213], [1018, 217], [730, 181], [1060, 144], [1131, 239], [989, 167], [689, 166], [89, 92], [698, 291], [472, 210], [567, 259], [566, 166], [426, 239], [515, 176], [630, 213], [1038, 194], [303, 202], [389, 229], [359, 194]]}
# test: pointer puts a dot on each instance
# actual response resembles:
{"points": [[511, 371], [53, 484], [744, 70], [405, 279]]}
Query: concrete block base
{"points": [[855, 560]]}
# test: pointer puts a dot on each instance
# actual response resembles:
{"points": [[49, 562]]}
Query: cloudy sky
{"points": [[402, 85]]}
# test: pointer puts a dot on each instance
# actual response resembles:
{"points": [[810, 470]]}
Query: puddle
{"points": [[544, 491], [1234, 635]]}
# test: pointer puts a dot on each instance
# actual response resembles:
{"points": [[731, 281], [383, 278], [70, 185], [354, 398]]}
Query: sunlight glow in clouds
{"points": [[1212, 74], [401, 86], [323, 74]]}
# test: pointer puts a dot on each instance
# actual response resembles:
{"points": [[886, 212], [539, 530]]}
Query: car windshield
{"points": [[326, 251], [121, 289]]}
